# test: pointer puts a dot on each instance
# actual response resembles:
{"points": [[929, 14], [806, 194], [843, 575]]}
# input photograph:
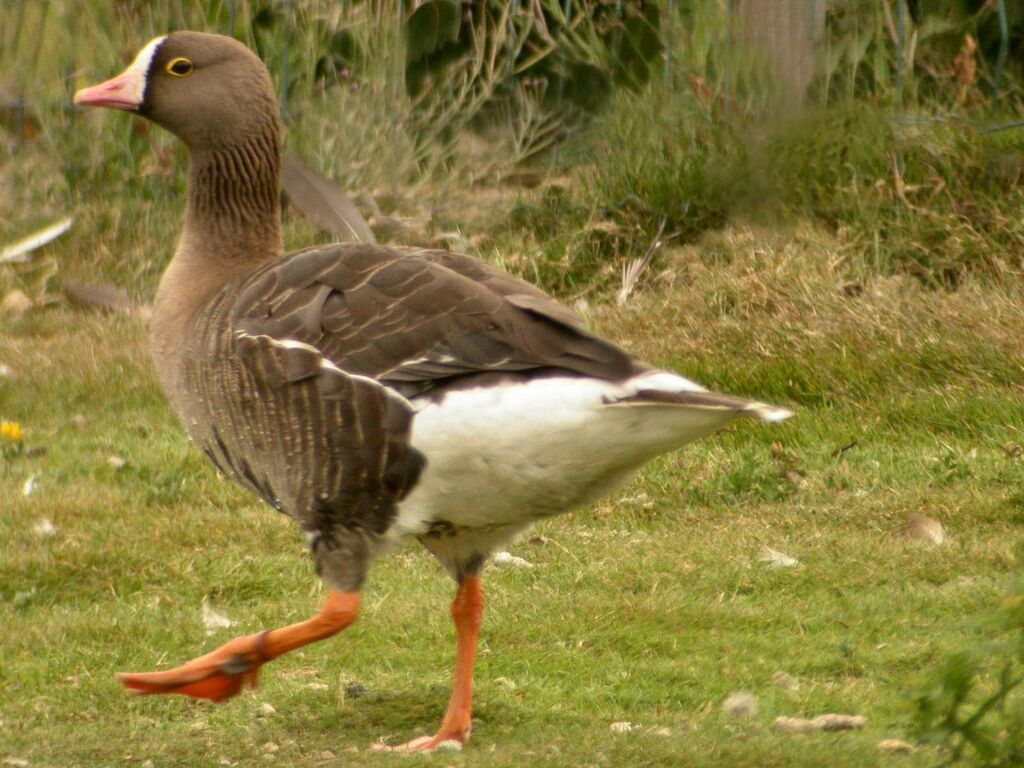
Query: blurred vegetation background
{"points": [[908, 148], [573, 142]]}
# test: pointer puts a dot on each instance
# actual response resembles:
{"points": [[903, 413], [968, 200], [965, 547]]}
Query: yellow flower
{"points": [[11, 431]]}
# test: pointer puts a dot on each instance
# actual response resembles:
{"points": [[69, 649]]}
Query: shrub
{"points": [[974, 710]]}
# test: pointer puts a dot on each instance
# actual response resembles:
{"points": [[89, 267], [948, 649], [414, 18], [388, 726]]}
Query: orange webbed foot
{"points": [[217, 676]]}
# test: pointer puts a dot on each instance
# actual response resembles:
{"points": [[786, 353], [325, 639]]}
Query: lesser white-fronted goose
{"points": [[372, 393]]}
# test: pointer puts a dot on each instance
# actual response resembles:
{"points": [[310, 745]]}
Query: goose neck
{"points": [[233, 212]]}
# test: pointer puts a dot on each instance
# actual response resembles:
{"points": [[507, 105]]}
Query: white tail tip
{"points": [[767, 412]]}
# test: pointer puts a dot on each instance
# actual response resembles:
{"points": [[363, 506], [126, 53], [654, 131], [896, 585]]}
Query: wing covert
{"points": [[412, 317]]}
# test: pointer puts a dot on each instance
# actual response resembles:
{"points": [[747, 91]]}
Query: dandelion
{"points": [[11, 431]]}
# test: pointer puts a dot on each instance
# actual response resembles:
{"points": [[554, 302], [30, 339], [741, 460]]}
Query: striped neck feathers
{"points": [[233, 214]]}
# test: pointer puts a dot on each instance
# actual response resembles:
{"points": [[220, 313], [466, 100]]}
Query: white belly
{"points": [[508, 454]]}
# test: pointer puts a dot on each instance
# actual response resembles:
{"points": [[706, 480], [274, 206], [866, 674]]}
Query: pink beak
{"points": [[122, 92]]}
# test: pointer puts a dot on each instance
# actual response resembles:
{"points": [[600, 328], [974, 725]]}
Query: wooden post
{"points": [[787, 34]]}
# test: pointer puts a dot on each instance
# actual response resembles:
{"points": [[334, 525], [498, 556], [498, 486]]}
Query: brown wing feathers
{"points": [[401, 316], [516, 290]]}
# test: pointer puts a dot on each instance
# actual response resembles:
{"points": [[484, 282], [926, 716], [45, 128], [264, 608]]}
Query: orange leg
{"points": [[467, 611], [220, 674]]}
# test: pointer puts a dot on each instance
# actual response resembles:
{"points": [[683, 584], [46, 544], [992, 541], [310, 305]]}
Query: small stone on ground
{"points": [[740, 704], [896, 746], [775, 559], [828, 722], [15, 304], [786, 681], [926, 530], [507, 558]]}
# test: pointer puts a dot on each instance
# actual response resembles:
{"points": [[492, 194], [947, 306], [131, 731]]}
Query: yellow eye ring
{"points": [[180, 67]]}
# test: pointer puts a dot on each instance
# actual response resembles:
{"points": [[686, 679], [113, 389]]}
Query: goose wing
{"points": [[413, 319]]}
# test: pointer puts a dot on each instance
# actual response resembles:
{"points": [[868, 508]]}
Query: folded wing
{"points": [[414, 320]]}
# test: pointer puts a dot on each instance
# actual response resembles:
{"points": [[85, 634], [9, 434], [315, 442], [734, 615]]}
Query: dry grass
{"points": [[795, 287]]}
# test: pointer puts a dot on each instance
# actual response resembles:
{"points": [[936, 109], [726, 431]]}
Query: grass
{"points": [[651, 607], [879, 304]]}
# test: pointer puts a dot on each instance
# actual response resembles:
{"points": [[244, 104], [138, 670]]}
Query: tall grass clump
{"points": [[904, 192], [915, 188], [930, 188], [951, 52], [898, 152], [676, 160]]}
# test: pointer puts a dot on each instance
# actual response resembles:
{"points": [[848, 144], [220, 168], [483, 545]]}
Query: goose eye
{"points": [[180, 67]]}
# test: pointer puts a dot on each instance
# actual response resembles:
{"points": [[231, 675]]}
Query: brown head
{"points": [[209, 90]]}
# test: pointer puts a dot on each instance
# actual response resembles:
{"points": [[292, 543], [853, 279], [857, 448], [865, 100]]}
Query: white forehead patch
{"points": [[140, 67]]}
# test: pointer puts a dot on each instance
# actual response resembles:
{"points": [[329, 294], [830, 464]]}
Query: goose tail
{"points": [[661, 388]]}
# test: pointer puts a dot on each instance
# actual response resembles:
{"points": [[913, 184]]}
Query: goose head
{"points": [[209, 90]]}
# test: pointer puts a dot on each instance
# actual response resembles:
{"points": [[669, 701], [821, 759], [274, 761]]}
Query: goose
{"points": [[374, 394]]}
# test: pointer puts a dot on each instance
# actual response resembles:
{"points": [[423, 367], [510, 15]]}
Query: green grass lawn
{"points": [[651, 607]]}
